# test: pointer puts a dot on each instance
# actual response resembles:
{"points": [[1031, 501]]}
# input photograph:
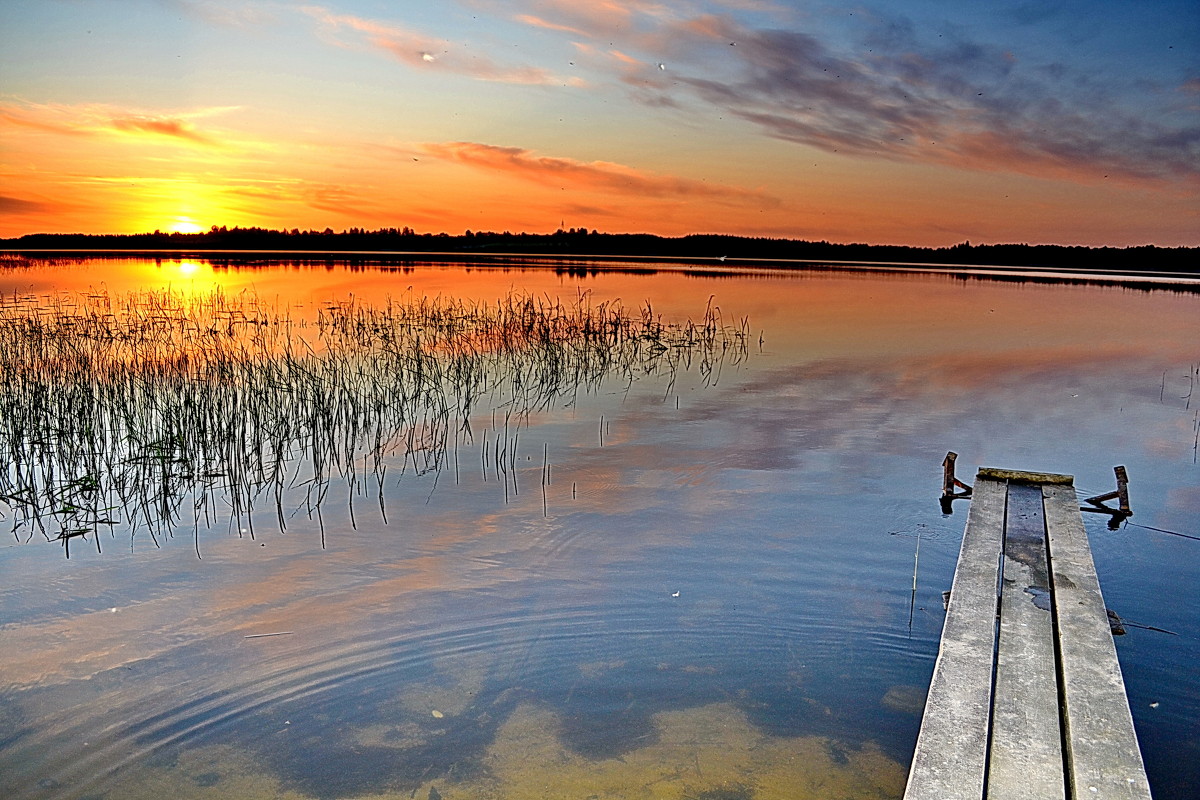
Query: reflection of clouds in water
{"points": [[1185, 499], [710, 751], [413, 589], [706, 751], [824, 419], [241, 588], [464, 540], [861, 409]]}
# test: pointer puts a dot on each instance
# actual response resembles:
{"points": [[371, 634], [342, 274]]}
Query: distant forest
{"points": [[582, 242]]}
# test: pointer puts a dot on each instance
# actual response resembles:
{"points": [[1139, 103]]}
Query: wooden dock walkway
{"points": [[1027, 699]]}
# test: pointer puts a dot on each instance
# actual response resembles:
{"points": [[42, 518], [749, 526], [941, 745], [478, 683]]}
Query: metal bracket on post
{"points": [[1121, 495], [951, 483]]}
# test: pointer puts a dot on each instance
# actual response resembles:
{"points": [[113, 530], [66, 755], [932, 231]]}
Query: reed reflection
{"points": [[157, 410]]}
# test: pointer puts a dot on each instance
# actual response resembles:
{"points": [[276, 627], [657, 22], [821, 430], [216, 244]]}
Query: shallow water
{"points": [[711, 599]]}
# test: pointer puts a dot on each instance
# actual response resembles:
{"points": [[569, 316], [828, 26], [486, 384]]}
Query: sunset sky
{"points": [[923, 122]]}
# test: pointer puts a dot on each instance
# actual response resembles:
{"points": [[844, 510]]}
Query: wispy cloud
{"points": [[35, 118], [323, 196], [425, 52], [1190, 89], [631, 22], [598, 20], [600, 176], [538, 22], [897, 93], [333, 198], [16, 206], [163, 126], [97, 120], [962, 103]]}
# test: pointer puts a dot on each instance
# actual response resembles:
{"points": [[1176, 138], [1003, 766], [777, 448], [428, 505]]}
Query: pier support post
{"points": [[950, 483], [1121, 495]]}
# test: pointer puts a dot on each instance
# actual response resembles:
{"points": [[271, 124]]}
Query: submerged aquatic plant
{"points": [[155, 409]]}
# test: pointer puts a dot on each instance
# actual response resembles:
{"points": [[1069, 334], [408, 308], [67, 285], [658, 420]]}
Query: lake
{"points": [[346, 527]]}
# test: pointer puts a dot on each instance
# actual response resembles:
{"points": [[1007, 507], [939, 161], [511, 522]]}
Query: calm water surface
{"points": [[683, 586]]}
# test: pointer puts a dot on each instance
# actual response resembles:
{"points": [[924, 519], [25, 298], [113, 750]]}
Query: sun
{"points": [[185, 225]]}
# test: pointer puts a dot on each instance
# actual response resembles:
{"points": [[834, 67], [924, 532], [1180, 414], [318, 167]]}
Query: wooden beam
{"points": [[1025, 757], [1103, 758], [1019, 476], [951, 754]]}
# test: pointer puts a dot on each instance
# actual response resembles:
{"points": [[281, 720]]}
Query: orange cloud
{"points": [[336, 199], [16, 206], [15, 117], [94, 120], [162, 126], [538, 22], [624, 58], [594, 175], [708, 26], [597, 20]]}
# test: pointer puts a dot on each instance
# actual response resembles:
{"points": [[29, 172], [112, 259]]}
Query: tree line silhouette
{"points": [[582, 242]]}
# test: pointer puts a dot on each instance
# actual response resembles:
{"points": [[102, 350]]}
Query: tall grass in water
{"points": [[155, 411]]}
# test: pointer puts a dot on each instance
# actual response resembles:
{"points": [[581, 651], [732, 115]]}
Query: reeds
{"points": [[156, 411]]}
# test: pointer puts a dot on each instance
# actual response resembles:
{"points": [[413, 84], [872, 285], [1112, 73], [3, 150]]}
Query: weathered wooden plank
{"points": [[1103, 760], [951, 753], [1025, 757], [1020, 476]]}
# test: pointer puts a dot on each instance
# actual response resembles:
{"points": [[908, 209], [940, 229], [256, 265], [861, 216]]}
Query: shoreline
{"points": [[731, 265]]}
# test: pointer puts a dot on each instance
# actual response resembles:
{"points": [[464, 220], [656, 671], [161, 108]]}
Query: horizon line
{"points": [[408, 232]]}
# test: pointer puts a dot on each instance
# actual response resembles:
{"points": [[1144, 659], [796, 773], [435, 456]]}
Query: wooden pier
{"points": [[1027, 699]]}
